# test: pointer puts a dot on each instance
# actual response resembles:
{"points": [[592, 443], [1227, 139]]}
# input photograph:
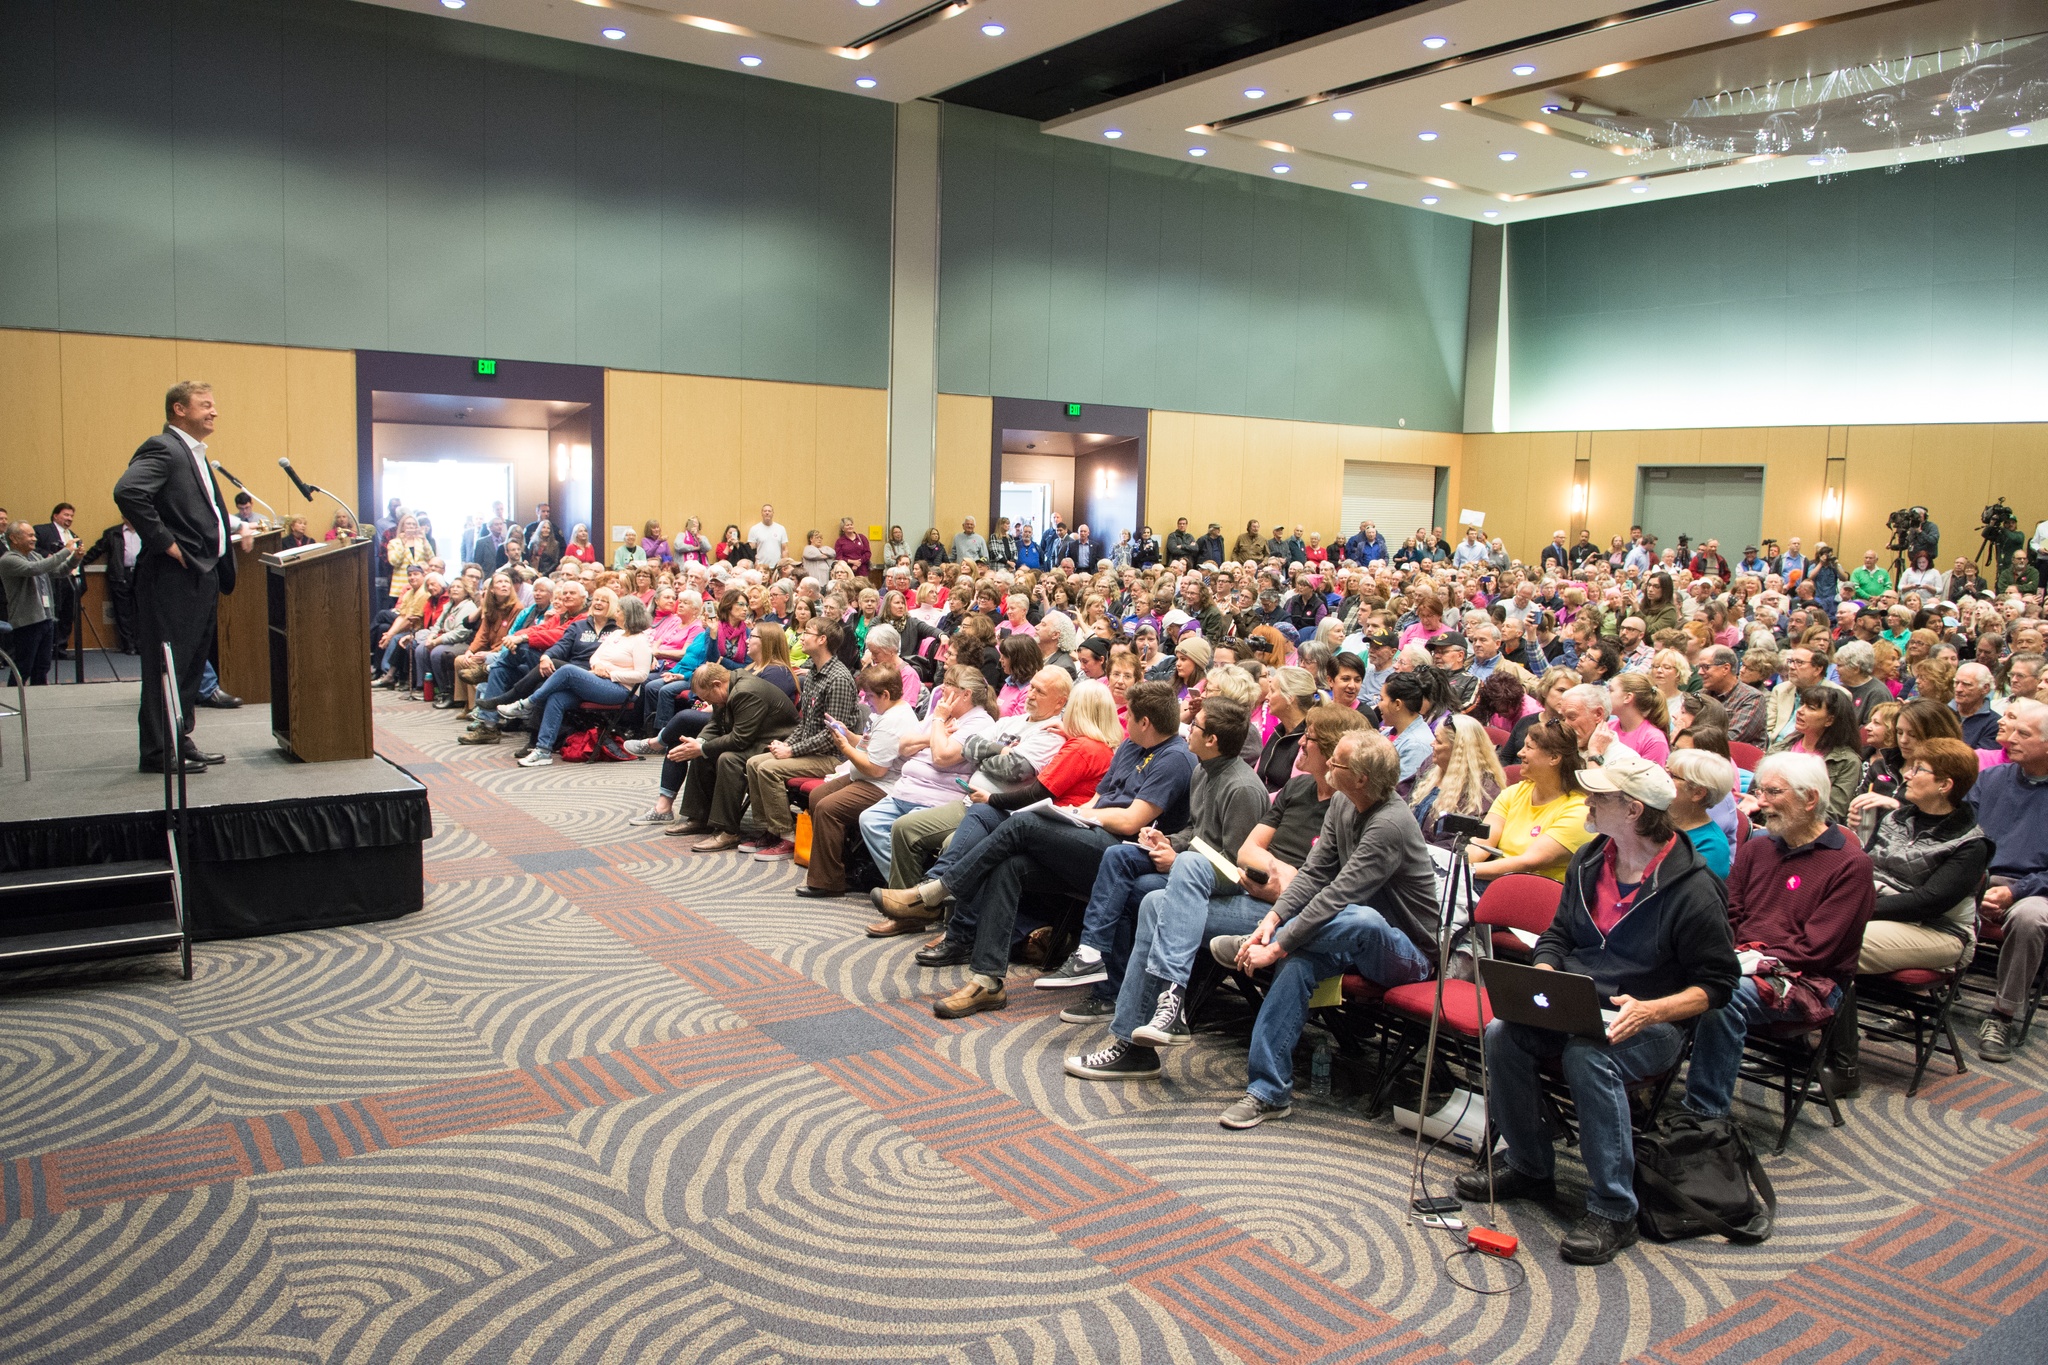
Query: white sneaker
{"points": [[539, 758], [514, 709], [646, 748], [651, 817]]}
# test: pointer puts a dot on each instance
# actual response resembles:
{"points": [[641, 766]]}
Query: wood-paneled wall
{"points": [[1522, 480], [84, 402], [966, 428], [678, 446], [1230, 469]]}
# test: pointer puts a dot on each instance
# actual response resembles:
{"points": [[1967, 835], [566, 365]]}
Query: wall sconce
{"points": [[1578, 499], [562, 463], [1104, 477], [1830, 505]]}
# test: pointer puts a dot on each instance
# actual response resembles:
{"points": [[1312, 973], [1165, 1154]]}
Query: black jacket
{"points": [[1180, 545], [756, 711], [113, 548], [1675, 936], [164, 499]]}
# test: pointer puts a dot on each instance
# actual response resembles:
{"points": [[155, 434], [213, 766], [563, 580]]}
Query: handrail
{"points": [[174, 815]]}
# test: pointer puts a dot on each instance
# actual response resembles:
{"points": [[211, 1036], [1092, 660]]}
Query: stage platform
{"points": [[272, 844]]}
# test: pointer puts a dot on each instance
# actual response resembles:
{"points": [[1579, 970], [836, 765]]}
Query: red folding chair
{"points": [[1513, 772], [1746, 756]]}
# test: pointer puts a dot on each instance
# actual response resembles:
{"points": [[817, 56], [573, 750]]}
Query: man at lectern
{"points": [[169, 497]]}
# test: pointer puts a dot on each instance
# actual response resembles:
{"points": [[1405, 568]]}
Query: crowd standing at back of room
{"points": [[1750, 782]]}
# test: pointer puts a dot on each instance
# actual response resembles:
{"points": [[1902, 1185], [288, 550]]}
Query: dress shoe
{"points": [[891, 928], [195, 754], [687, 829], [221, 698], [944, 953], [1508, 1183], [819, 893], [717, 843], [183, 765]]}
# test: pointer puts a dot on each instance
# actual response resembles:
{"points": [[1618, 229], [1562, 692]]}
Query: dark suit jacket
{"points": [[165, 500], [755, 712], [112, 547]]}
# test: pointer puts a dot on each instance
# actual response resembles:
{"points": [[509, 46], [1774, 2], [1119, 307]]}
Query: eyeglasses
{"points": [[1774, 791]]}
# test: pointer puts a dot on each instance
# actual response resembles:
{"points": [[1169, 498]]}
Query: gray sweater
{"points": [[1227, 799], [1376, 858], [28, 589]]}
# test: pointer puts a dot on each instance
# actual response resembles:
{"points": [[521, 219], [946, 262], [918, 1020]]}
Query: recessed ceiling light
{"points": [[614, 33], [1112, 133], [864, 82], [1507, 156], [1429, 199], [1816, 161], [453, 4], [1743, 16], [1579, 175], [867, 4], [1491, 213], [1639, 189], [1198, 151], [1255, 93], [1342, 116], [1523, 70], [2021, 131], [750, 60], [1359, 184], [1426, 137], [1552, 108], [1282, 169], [1433, 42], [992, 30]]}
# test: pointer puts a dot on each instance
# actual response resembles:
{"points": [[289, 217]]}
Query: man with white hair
{"points": [[1555, 553], [1798, 898], [2012, 810], [1584, 711], [1856, 666], [1973, 687]]}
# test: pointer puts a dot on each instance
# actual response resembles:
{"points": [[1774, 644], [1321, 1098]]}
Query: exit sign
{"points": [[1073, 409], [486, 369]]}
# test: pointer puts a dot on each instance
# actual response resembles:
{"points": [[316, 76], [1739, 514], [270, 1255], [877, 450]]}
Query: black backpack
{"points": [[1694, 1176]]}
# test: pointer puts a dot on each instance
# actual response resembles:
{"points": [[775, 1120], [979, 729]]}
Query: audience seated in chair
{"points": [[2012, 807], [871, 765], [709, 772], [619, 663]]}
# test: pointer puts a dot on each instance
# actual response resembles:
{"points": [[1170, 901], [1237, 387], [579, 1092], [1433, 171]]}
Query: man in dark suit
{"points": [[52, 536], [119, 548], [747, 714], [168, 495]]}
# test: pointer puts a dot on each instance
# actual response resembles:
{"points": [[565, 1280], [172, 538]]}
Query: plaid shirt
{"points": [[828, 691]]}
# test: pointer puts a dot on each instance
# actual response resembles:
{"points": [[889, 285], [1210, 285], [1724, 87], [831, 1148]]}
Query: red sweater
{"points": [[1807, 906]]}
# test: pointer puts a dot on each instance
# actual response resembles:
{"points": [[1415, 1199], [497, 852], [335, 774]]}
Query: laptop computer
{"points": [[1564, 1001]]}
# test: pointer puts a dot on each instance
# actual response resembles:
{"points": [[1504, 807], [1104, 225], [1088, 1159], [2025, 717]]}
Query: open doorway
{"points": [[1079, 463]]}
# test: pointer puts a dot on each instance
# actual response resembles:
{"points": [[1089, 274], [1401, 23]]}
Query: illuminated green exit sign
{"points": [[486, 369], [1073, 409]]}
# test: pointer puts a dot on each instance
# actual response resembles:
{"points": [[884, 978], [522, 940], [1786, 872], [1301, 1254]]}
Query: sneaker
{"points": [[1120, 1061], [754, 843], [654, 817], [512, 710], [1224, 949], [1595, 1240], [1168, 1026], [446, 704], [383, 682], [1508, 1183], [775, 852], [971, 998], [481, 734], [646, 748], [1088, 1011], [1077, 970], [1994, 1043], [1251, 1111], [537, 758]]}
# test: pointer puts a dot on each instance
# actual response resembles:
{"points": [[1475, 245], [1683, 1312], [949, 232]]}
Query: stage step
{"points": [[63, 914]]}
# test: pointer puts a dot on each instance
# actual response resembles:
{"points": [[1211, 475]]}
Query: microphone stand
{"points": [[309, 489], [243, 487]]}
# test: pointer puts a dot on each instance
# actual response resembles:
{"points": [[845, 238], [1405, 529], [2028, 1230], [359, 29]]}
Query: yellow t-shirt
{"points": [[1522, 822]]}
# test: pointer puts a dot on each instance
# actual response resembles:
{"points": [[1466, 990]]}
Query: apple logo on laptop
{"points": [[1542, 1001]]}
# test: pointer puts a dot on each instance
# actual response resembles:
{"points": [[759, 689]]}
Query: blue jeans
{"points": [[1357, 939], [877, 821], [509, 667], [1127, 875], [980, 821], [1173, 924], [1599, 1075], [565, 688], [1717, 1041]]}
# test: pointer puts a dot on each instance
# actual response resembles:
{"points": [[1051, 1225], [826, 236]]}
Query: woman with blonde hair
{"points": [[1669, 673], [1934, 679], [1289, 693], [1463, 778]]}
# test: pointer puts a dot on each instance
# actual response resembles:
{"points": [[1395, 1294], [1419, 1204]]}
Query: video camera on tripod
{"points": [[2000, 528], [1909, 532]]}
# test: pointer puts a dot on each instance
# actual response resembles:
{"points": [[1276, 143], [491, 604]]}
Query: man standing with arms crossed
{"points": [[168, 495]]}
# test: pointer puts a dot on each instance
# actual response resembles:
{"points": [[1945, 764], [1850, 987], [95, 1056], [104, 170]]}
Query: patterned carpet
{"points": [[601, 1100]]}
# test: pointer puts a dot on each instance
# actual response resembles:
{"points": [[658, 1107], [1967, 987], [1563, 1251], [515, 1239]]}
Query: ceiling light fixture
{"points": [[614, 33], [864, 82], [1552, 108], [1425, 137], [1491, 213], [993, 30], [1429, 199], [1360, 184], [1282, 169], [1743, 16], [1433, 42], [867, 4], [1112, 133], [1639, 189], [1579, 175], [1198, 151], [2018, 132], [1507, 156], [1255, 93], [1816, 161], [750, 60], [453, 4], [1523, 70], [1342, 116]]}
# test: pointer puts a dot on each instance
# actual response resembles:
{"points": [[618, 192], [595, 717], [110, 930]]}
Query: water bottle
{"points": [[427, 688], [1319, 1070]]}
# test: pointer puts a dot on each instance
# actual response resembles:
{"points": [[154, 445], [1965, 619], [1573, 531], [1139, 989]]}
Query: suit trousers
{"points": [[917, 839], [767, 781], [175, 606], [715, 789], [835, 807]]}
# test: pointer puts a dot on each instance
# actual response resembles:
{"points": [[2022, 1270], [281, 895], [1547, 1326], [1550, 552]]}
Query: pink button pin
{"points": [[1792, 882]]}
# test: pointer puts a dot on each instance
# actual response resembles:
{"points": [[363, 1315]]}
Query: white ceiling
{"points": [[811, 42], [453, 410], [1479, 109]]}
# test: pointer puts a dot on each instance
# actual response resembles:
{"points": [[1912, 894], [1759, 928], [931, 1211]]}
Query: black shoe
{"points": [[818, 893], [945, 953], [1508, 1183], [183, 765], [1120, 1061], [1168, 1026], [1845, 1081], [1595, 1240], [221, 699], [195, 754]]}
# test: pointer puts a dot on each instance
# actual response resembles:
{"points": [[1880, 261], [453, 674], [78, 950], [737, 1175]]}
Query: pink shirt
{"points": [[1647, 740]]}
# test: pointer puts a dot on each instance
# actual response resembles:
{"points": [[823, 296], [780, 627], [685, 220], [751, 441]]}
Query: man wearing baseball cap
{"points": [[1450, 651], [1643, 917]]}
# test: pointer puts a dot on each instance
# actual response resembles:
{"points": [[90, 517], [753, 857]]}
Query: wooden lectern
{"points": [[319, 605], [244, 622]]}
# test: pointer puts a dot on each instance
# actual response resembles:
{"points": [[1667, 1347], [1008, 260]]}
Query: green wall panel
{"points": [[1090, 274], [324, 173], [1906, 296]]}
